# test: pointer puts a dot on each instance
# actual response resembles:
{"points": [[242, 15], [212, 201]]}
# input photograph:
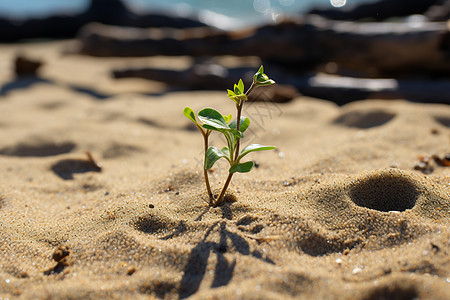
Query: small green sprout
{"points": [[238, 94], [211, 120], [261, 79]]}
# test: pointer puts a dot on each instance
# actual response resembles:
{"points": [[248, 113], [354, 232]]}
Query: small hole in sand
{"points": [[156, 224], [385, 192]]}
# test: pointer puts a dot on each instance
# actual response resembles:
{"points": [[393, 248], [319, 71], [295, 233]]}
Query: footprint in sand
{"points": [[38, 149]]}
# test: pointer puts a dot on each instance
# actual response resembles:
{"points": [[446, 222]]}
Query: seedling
{"points": [[211, 120]]}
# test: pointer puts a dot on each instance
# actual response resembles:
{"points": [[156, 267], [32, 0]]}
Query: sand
{"points": [[337, 211]]}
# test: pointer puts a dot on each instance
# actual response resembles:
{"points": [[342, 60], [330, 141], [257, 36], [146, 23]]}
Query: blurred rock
{"points": [[200, 76], [112, 12], [24, 66], [300, 45], [211, 77], [339, 89], [342, 90], [440, 12]]}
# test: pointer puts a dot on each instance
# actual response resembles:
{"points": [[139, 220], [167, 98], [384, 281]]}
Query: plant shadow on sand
{"points": [[195, 269]]}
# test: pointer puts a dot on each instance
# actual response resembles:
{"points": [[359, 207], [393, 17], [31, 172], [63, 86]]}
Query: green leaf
{"points": [[227, 118], [226, 151], [261, 70], [241, 86], [206, 126], [189, 113], [261, 79], [245, 122], [212, 119], [231, 140], [234, 98], [232, 136], [242, 168], [238, 94], [239, 98], [212, 155], [267, 82], [237, 134], [252, 148]]}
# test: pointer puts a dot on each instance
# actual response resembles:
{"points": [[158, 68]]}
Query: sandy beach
{"points": [[102, 192]]}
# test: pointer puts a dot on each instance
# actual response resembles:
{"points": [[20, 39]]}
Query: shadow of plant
{"points": [[195, 268]]}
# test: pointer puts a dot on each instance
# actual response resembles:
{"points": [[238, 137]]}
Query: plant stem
{"points": [[221, 197], [205, 172], [239, 106], [238, 125]]}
